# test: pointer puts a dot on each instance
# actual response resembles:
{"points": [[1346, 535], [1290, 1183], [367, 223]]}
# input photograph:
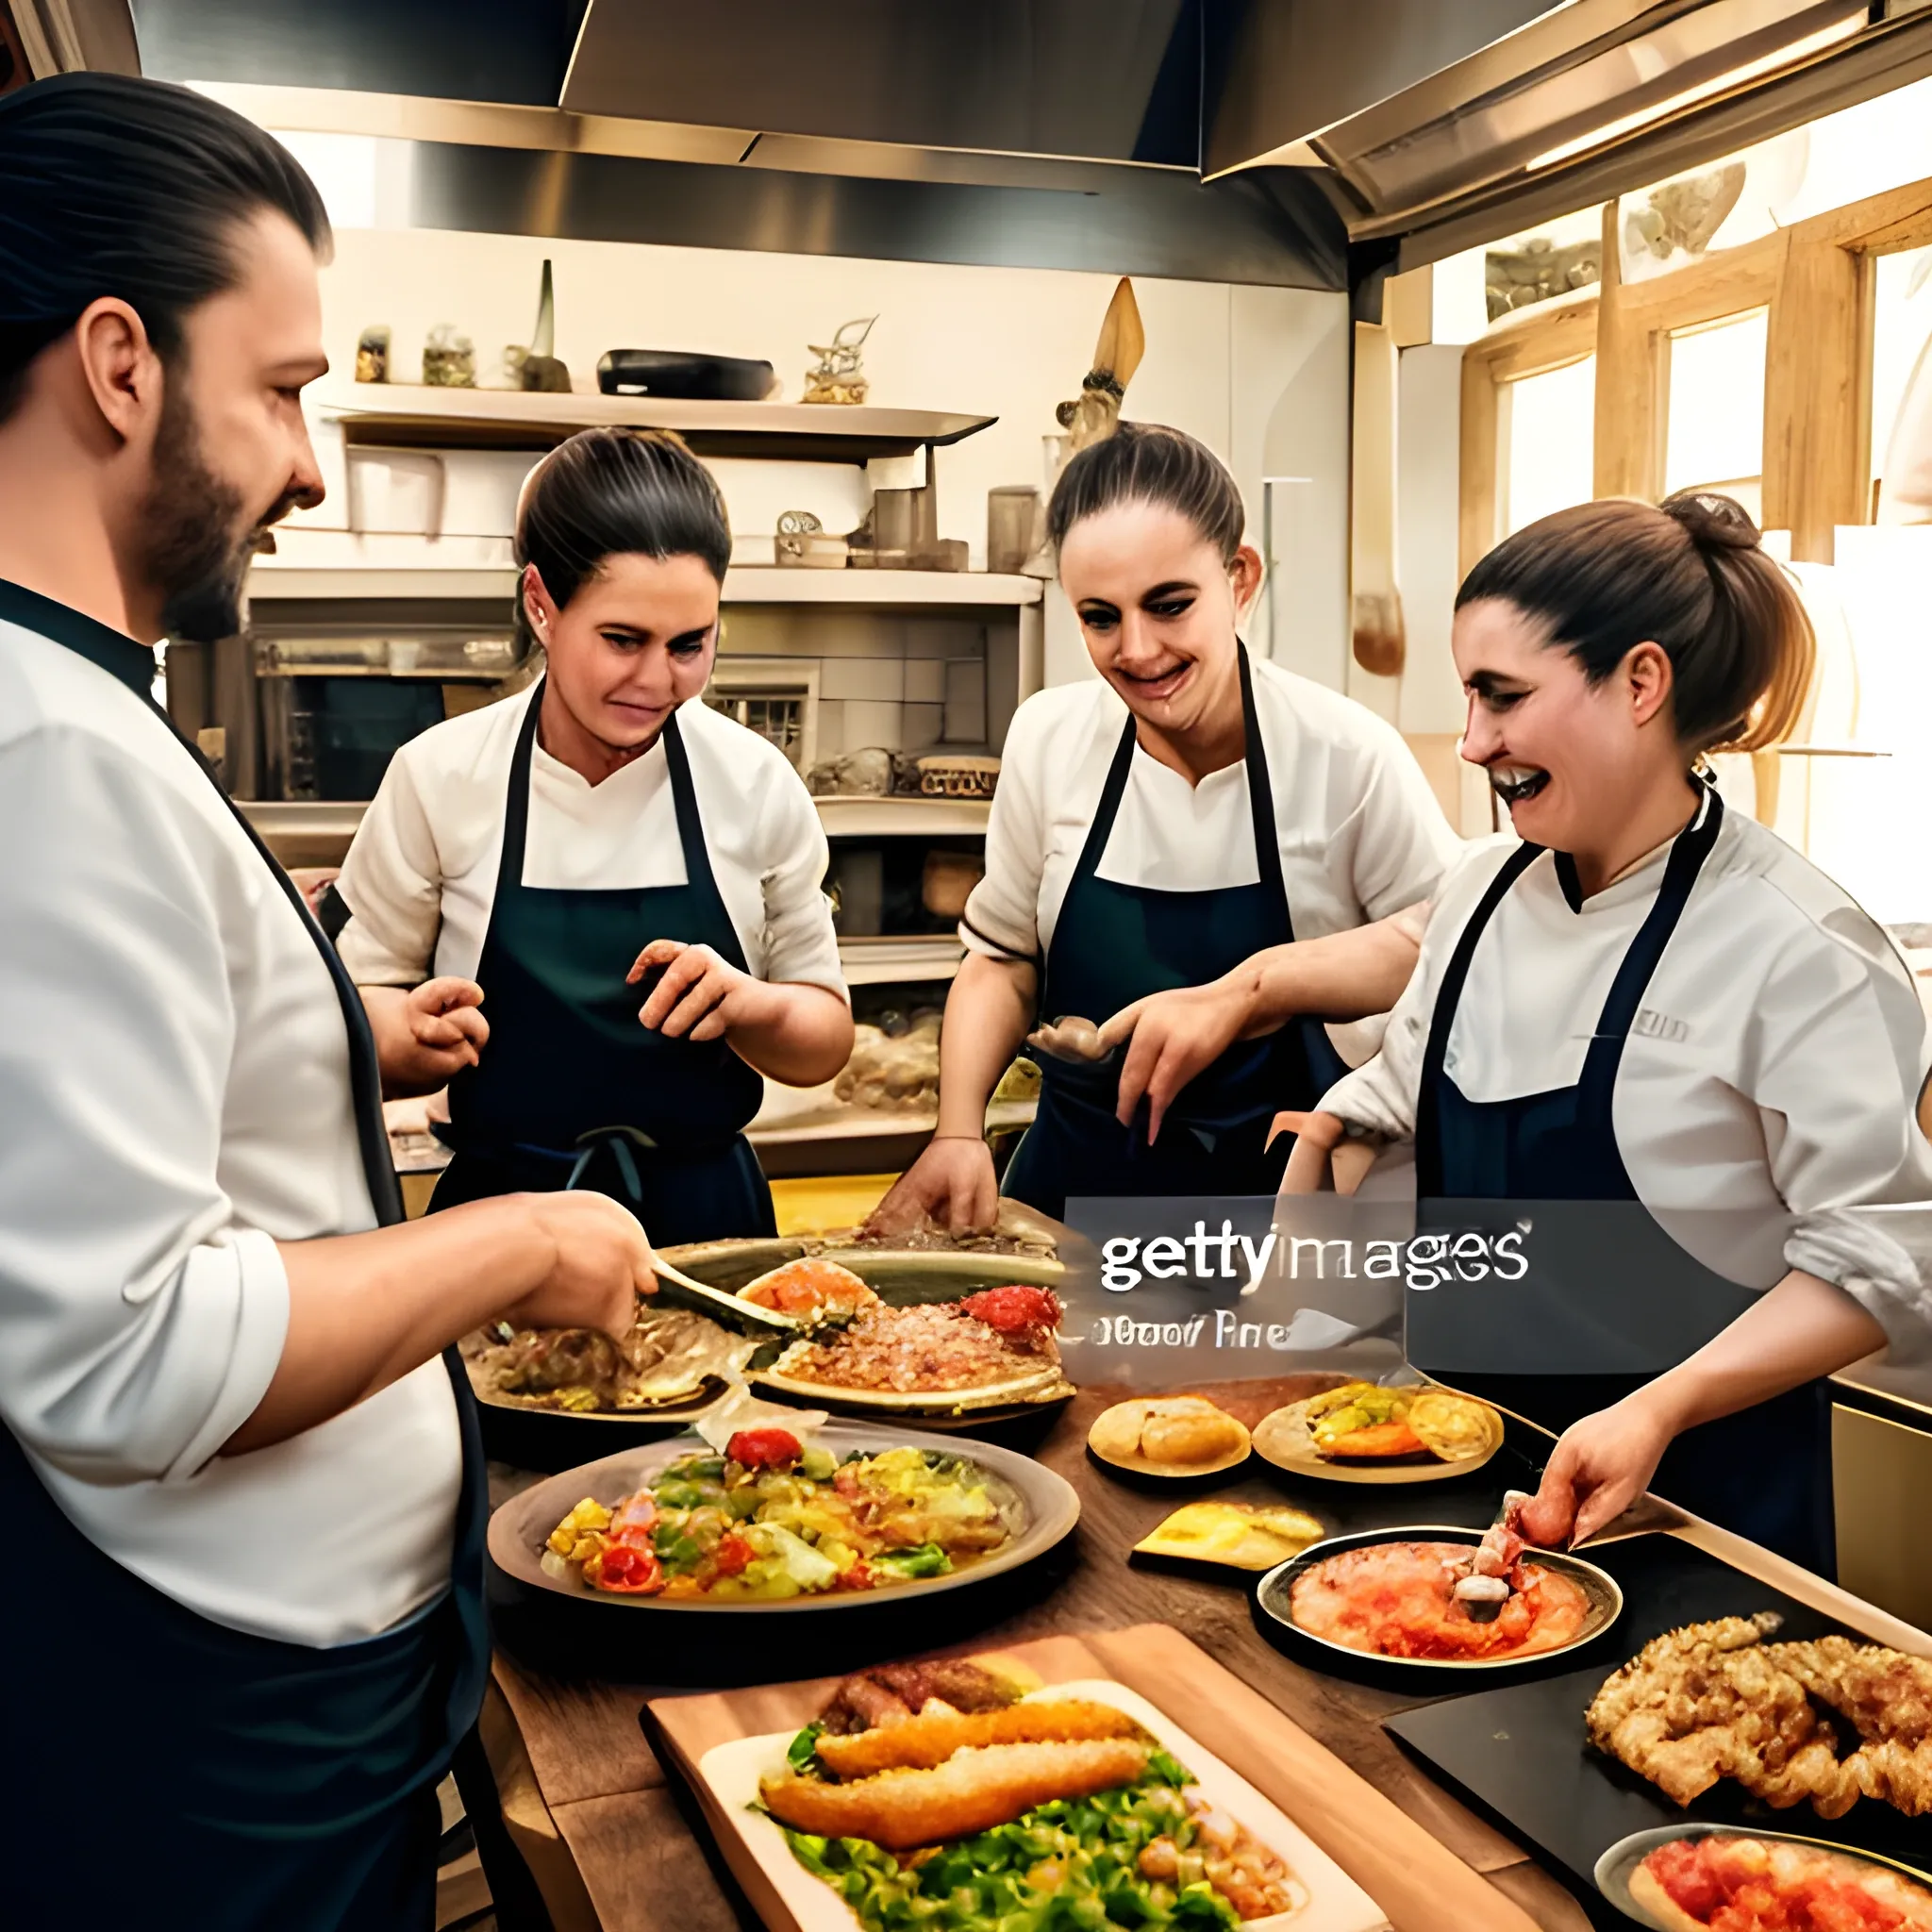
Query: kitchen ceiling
{"points": [[1245, 140]]}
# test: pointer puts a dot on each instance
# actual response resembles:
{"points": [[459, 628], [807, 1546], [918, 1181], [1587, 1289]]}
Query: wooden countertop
{"points": [[628, 1836]]}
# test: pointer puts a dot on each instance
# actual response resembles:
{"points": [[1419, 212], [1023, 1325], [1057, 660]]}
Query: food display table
{"points": [[613, 1839]]}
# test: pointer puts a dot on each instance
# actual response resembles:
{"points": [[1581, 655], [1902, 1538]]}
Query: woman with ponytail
{"points": [[1647, 1003]]}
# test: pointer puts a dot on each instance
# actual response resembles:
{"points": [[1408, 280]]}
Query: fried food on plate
{"points": [[1169, 1435], [1715, 1700], [972, 1792], [925, 1741]]}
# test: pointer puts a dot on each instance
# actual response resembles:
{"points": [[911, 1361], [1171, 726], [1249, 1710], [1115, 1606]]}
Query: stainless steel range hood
{"points": [[1544, 100], [1232, 139]]}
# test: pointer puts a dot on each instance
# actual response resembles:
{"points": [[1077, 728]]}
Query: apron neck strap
{"points": [[1261, 796], [1688, 851], [516, 812], [1429, 1180]]}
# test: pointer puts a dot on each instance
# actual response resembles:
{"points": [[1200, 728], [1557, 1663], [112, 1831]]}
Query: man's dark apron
{"points": [[172, 1768], [1765, 1473], [570, 1089], [1114, 944]]}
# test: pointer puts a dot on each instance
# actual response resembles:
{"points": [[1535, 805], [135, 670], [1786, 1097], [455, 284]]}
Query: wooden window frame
{"points": [[1537, 342], [1815, 280]]}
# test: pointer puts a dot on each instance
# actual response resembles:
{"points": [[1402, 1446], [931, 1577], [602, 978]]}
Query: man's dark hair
{"points": [[115, 186]]}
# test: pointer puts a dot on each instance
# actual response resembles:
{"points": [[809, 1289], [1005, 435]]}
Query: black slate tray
{"points": [[1518, 1754]]}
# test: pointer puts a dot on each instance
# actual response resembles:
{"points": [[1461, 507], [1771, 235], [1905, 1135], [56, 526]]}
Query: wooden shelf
{"points": [[400, 415], [884, 963], [885, 818], [869, 962], [906, 589], [766, 584]]}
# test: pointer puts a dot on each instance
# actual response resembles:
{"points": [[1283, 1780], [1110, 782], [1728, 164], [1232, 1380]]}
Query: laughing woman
{"points": [[1643, 998], [1201, 853], [595, 910]]}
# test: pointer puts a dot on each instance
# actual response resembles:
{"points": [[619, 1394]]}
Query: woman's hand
{"points": [[1173, 1036], [1322, 1152], [1599, 1468], [951, 1183], [600, 1263], [441, 1031], [698, 995]]}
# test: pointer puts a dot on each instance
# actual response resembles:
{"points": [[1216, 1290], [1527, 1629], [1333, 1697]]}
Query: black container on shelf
{"points": [[684, 376]]}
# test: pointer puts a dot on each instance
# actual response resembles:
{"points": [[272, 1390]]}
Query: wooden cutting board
{"points": [[1417, 1881]]}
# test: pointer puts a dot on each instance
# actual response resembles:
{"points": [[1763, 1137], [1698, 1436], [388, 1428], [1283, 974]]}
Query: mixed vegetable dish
{"points": [[776, 1516]]}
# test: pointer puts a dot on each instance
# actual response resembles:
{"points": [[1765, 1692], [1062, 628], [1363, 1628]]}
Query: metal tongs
{"points": [[720, 1302], [1485, 1587]]}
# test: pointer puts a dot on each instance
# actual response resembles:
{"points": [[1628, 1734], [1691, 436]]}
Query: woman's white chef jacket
{"points": [[1361, 835], [174, 1090], [1772, 1070], [421, 874]]}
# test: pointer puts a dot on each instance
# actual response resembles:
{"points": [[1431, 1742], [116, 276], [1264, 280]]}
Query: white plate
{"points": [[731, 1773], [1614, 1869], [518, 1531]]}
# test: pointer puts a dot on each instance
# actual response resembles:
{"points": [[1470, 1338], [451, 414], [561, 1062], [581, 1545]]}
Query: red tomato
{"points": [[629, 1571], [1015, 1309], [764, 1448], [732, 1556], [859, 1578]]}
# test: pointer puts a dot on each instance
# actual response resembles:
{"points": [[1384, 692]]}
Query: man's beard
{"points": [[191, 549]]}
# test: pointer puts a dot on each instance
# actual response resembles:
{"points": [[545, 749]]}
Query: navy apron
{"points": [[1114, 944], [220, 1779], [1764, 1473], [570, 1090]]}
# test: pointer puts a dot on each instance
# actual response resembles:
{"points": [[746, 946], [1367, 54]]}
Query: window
{"points": [[1714, 425], [1546, 425], [1902, 387]]}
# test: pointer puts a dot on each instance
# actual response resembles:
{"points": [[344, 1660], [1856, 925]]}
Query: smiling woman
{"points": [[1199, 856], [1642, 999], [594, 911]]}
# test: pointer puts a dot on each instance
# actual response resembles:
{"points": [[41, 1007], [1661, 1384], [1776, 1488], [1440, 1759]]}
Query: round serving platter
{"points": [[532, 1437], [1282, 1439], [518, 1530], [1614, 1868], [1272, 1602]]}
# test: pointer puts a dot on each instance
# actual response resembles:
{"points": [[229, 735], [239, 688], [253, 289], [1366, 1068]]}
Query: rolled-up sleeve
{"points": [[1840, 1057], [1002, 917], [391, 882], [801, 943], [141, 1328]]}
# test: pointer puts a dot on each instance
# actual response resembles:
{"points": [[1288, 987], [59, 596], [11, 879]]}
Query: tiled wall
{"points": [[906, 682]]}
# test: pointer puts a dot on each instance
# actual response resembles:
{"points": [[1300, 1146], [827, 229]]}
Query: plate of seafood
{"points": [[551, 1398], [1442, 1598], [1727, 1878], [989, 1350]]}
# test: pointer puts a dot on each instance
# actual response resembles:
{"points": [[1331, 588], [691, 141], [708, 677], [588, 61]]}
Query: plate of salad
{"points": [[761, 1509]]}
